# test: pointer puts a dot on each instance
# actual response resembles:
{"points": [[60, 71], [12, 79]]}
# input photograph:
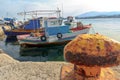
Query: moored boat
{"points": [[32, 25], [55, 34]]}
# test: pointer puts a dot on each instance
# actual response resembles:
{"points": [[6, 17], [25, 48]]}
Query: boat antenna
{"points": [[58, 12], [62, 10], [24, 15]]}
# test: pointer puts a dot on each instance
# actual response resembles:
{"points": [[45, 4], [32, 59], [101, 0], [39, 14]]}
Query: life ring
{"points": [[59, 35], [43, 38]]}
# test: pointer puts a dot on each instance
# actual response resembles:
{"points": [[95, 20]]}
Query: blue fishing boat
{"points": [[30, 26], [55, 34], [33, 25]]}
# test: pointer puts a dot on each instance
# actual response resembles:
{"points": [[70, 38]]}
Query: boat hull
{"points": [[10, 33], [16, 32], [46, 44], [52, 41]]}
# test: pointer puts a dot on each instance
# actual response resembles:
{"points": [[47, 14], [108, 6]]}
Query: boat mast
{"points": [[41, 12], [24, 15]]}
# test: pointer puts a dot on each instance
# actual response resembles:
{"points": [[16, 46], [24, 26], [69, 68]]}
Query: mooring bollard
{"points": [[90, 54]]}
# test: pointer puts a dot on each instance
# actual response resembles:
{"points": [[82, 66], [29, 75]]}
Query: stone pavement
{"points": [[11, 69]]}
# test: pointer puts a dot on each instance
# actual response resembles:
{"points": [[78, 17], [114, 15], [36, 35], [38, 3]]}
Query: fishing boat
{"points": [[55, 34], [31, 25], [28, 27]]}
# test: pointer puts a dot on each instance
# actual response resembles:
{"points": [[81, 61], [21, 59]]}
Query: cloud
{"points": [[80, 6], [69, 7]]}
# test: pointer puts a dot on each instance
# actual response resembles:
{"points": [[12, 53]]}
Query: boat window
{"points": [[53, 23], [73, 25]]}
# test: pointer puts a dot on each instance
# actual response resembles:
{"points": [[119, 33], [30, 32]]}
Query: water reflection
{"points": [[12, 40], [45, 54], [11, 47]]}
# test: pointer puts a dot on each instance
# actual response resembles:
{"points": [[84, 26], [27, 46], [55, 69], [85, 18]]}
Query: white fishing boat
{"points": [[55, 34]]}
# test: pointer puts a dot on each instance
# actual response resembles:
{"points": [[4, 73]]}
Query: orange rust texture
{"points": [[68, 73], [87, 71], [93, 44], [92, 50], [89, 53]]}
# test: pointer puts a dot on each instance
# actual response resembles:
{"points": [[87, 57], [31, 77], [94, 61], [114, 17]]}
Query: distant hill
{"points": [[94, 14]]}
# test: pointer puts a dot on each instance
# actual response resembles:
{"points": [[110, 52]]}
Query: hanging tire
{"points": [[59, 35], [43, 38]]}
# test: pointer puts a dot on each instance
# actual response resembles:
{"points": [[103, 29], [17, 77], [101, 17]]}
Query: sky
{"points": [[10, 8]]}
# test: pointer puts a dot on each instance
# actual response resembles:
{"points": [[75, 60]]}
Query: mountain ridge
{"points": [[95, 14]]}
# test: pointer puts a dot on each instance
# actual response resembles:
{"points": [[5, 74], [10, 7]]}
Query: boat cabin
{"points": [[54, 27], [32, 24], [53, 22]]}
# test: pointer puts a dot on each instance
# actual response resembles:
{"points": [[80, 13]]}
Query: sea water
{"points": [[106, 26]]}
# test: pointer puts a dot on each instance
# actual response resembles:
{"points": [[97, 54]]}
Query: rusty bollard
{"points": [[90, 54]]}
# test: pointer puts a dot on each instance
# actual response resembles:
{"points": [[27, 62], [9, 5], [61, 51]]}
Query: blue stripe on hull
{"points": [[15, 33]]}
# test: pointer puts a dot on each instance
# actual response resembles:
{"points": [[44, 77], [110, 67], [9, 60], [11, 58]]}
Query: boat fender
{"points": [[43, 38], [59, 35]]}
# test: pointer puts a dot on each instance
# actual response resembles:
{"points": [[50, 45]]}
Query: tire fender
{"points": [[43, 38], [59, 35]]}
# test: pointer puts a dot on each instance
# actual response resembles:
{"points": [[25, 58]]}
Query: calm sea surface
{"points": [[108, 26]]}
